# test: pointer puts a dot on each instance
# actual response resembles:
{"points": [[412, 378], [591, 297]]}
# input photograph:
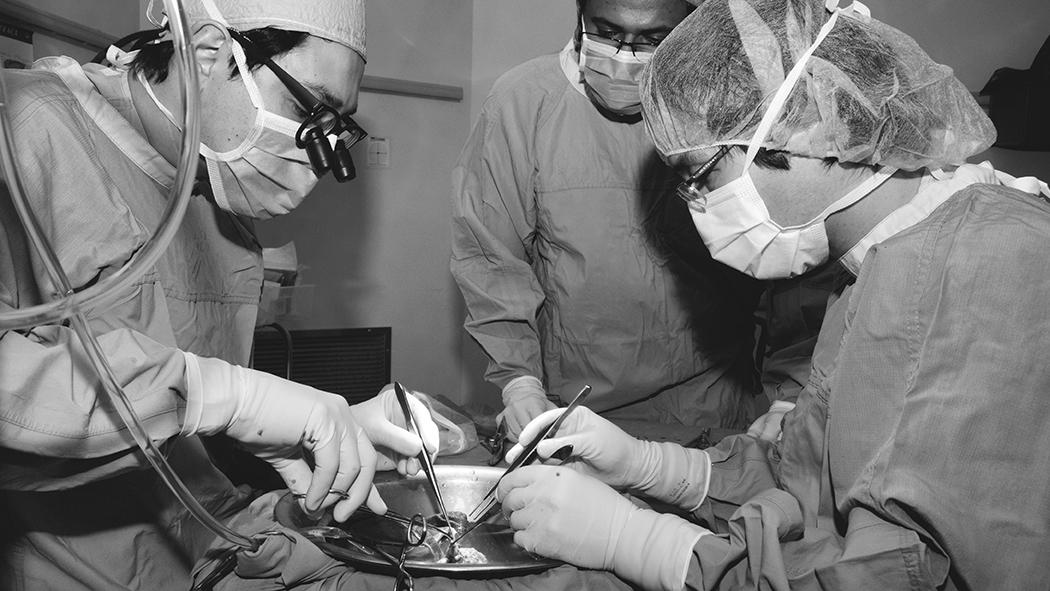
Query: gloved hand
{"points": [[768, 426], [664, 471], [562, 514], [396, 443], [277, 420], [523, 400]]}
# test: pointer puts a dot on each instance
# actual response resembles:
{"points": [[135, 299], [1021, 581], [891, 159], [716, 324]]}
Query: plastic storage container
{"points": [[456, 430]]}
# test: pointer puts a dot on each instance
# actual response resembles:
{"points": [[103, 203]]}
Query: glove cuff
{"points": [[522, 387], [210, 411], [654, 550], [676, 475]]}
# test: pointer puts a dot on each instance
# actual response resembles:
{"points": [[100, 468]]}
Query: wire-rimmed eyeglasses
{"points": [[690, 190], [635, 47], [322, 120]]}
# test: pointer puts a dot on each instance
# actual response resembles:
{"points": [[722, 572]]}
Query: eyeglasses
{"points": [[690, 189], [635, 47], [322, 120]]}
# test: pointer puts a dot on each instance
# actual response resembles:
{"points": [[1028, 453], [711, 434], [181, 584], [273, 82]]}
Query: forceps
{"points": [[488, 502], [424, 455]]}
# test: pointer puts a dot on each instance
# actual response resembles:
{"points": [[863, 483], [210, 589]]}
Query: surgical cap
{"points": [[869, 94], [341, 21]]}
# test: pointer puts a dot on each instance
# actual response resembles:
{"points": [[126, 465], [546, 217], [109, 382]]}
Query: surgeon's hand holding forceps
{"points": [[484, 510], [425, 461]]}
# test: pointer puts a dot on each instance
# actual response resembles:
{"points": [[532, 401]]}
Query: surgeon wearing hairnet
{"points": [[577, 263], [915, 457], [95, 147]]}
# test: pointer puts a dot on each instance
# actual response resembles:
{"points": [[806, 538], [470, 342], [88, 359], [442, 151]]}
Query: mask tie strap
{"points": [[865, 188], [120, 59], [210, 156], [156, 101], [213, 12], [246, 75], [238, 54], [151, 15], [583, 39], [215, 180], [776, 104]]}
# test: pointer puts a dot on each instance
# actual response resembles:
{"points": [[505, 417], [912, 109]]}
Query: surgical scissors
{"points": [[390, 513], [403, 579], [415, 535]]}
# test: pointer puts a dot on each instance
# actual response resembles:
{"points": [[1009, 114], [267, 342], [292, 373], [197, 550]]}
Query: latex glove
{"points": [[397, 445], [768, 426], [664, 471], [523, 399], [278, 420], [562, 514]]}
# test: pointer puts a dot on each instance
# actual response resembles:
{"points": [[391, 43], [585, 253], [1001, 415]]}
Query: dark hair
{"points": [[577, 35], [774, 159], [778, 160], [154, 59]]}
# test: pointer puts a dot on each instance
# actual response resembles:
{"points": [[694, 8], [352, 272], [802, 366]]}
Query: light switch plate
{"points": [[378, 152]]}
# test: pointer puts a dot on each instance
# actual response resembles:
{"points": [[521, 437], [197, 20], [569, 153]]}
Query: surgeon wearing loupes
{"points": [[95, 147], [806, 133]]}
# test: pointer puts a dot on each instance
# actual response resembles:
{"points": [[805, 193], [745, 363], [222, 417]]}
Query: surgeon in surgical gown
{"points": [[916, 455], [80, 508], [578, 264]]}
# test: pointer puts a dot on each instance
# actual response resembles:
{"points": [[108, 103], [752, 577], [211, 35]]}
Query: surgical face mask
{"points": [[267, 174], [735, 223], [738, 231], [612, 77]]}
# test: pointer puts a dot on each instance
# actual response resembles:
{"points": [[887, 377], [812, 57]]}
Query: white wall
{"points": [[976, 37], [509, 32], [377, 247], [115, 17]]}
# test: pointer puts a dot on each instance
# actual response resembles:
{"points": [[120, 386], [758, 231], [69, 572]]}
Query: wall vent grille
{"points": [[352, 362]]}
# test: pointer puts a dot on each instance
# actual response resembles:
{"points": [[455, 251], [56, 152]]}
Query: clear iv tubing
{"points": [[74, 305], [108, 290]]}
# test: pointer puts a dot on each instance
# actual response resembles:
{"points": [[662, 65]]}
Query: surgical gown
{"points": [[82, 512], [579, 265], [79, 507], [916, 456]]}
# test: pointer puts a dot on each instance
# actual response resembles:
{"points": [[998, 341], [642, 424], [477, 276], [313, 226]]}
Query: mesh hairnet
{"points": [[342, 21], [869, 94]]}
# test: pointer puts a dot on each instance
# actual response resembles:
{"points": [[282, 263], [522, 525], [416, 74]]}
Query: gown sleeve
{"points": [[51, 402], [493, 224]]}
